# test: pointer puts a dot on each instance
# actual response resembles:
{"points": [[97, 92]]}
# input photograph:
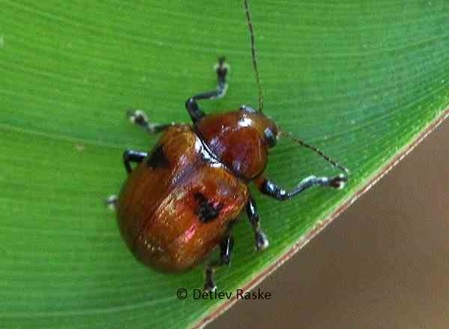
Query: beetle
{"points": [[181, 199]]}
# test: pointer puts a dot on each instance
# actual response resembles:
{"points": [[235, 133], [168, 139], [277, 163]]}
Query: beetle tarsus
{"points": [[111, 202], [262, 242], [221, 68], [139, 118], [338, 182]]}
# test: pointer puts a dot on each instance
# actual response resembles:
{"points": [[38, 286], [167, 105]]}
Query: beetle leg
{"points": [[271, 189], [191, 104], [226, 245], [139, 118], [132, 156], [253, 216]]}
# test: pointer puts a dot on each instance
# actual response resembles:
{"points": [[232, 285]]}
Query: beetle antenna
{"points": [[253, 52], [316, 150]]}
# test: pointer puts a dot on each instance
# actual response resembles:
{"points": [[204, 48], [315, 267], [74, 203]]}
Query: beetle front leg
{"points": [[130, 156], [253, 216], [271, 189], [192, 103], [139, 118], [226, 246]]}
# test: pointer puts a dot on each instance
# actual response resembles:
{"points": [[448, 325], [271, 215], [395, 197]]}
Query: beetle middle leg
{"points": [[261, 240], [130, 156], [271, 189], [139, 118], [226, 246], [192, 105]]}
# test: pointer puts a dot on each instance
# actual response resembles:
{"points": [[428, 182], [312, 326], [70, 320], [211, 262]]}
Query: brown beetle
{"points": [[180, 201]]}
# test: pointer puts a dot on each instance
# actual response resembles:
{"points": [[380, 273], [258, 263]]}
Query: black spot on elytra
{"points": [[206, 211], [157, 158]]}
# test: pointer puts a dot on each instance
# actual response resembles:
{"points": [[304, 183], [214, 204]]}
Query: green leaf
{"points": [[364, 81]]}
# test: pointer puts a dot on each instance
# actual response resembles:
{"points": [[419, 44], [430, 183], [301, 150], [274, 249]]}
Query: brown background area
{"points": [[384, 263]]}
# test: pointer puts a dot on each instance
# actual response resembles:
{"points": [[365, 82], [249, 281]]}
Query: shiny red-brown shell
{"points": [[160, 207], [238, 140], [158, 204]]}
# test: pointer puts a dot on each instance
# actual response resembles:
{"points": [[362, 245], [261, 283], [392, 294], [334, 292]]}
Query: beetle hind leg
{"points": [[139, 118], [226, 246], [261, 240]]}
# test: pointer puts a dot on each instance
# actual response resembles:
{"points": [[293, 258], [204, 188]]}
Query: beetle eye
{"points": [[270, 138], [247, 109]]}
